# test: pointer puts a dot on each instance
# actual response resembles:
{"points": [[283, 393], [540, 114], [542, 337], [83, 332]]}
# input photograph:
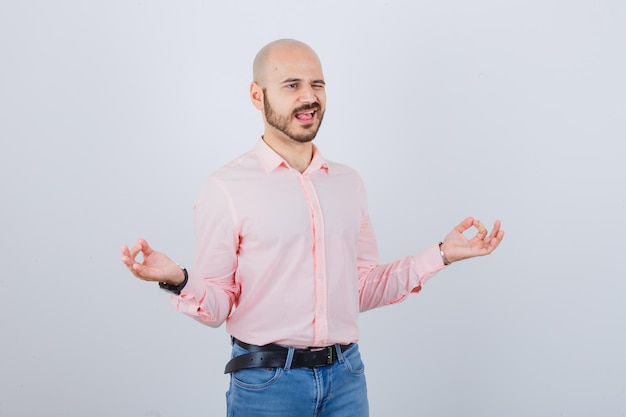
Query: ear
{"points": [[256, 95]]}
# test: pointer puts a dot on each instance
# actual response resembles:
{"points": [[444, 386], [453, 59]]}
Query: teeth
{"points": [[307, 113]]}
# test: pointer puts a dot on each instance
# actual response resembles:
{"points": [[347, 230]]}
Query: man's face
{"points": [[300, 124], [294, 95]]}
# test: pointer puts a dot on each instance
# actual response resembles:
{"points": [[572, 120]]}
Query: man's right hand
{"points": [[156, 266]]}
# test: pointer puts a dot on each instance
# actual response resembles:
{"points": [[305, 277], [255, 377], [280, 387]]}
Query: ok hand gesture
{"points": [[156, 266], [457, 247]]}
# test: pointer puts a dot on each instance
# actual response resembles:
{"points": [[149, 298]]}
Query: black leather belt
{"points": [[275, 356]]}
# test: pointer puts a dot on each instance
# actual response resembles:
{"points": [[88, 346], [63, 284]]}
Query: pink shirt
{"points": [[288, 257]]}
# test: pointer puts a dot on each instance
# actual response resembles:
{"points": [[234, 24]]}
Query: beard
{"points": [[282, 122]]}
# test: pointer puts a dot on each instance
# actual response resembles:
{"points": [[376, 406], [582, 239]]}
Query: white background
{"points": [[113, 112]]}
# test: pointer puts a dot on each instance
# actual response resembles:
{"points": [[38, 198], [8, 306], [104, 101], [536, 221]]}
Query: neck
{"points": [[297, 154]]}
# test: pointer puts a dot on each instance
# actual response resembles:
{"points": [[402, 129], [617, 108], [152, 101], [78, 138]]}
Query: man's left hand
{"points": [[458, 247]]}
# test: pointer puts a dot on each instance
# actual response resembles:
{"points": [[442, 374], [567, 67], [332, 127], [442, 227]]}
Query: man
{"points": [[286, 255]]}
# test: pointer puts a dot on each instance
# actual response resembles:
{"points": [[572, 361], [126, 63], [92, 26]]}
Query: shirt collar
{"points": [[272, 161]]}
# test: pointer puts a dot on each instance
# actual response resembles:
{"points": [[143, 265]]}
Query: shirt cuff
{"points": [[426, 264]]}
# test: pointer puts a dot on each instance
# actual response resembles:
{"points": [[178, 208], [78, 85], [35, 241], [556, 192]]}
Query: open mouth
{"points": [[306, 113], [306, 116]]}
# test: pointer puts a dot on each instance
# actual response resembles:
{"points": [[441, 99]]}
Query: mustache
{"points": [[305, 107]]}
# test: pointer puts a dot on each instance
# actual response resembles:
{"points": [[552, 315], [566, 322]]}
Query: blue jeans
{"points": [[336, 390]]}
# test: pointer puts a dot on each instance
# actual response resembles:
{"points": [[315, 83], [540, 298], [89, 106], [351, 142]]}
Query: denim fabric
{"points": [[337, 390]]}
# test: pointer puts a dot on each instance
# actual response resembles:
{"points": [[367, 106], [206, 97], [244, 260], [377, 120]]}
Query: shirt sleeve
{"points": [[390, 283], [211, 291]]}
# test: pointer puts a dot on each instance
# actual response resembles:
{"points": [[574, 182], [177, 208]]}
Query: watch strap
{"points": [[176, 289]]}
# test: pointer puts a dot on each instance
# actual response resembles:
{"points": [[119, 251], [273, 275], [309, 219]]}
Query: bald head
{"points": [[289, 89], [271, 56]]}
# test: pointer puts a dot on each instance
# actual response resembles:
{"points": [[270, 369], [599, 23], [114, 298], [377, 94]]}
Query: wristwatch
{"points": [[176, 289]]}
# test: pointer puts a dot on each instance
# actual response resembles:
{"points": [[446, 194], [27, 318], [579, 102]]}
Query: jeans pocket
{"points": [[256, 378], [352, 359]]}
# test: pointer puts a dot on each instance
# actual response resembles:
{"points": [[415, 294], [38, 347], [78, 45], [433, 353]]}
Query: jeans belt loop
{"points": [[339, 352], [289, 359]]}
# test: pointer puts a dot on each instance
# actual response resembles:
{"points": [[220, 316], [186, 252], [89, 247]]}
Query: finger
{"points": [[145, 247], [127, 257], [130, 264], [481, 227], [481, 230], [145, 273], [498, 238], [135, 250], [494, 242], [138, 270], [134, 272], [126, 260], [465, 224], [495, 230]]}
